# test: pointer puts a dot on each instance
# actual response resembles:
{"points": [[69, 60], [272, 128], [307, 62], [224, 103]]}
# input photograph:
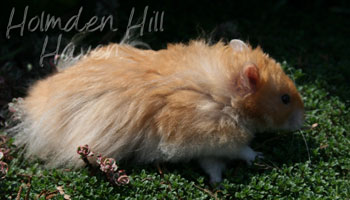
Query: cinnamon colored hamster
{"points": [[189, 101]]}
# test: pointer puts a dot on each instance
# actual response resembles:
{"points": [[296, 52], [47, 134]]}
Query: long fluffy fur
{"points": [[168, 105]]}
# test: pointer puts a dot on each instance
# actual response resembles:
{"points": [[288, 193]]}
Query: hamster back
{"points": [[194, 101]]}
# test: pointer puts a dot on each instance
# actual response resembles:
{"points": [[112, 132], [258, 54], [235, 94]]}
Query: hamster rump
{"points": [[194, 101]]}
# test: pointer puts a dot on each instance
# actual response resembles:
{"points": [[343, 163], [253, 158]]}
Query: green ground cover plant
{"points": [[312, 45]]}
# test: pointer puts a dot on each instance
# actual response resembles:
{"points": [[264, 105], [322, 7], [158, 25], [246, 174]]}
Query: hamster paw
{"points": [[213, 167], [259, 155], [249, 155]]}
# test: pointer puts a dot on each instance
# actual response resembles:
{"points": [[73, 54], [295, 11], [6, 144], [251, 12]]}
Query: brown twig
{"points": [[207, 191], [29, 184], [86, 161], [160, 171], [3, 140], [18, 197], [24, 175], [41, 193], [50, 195]]}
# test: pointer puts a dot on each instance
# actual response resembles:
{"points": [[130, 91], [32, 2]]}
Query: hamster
{"points": [[188, 101]]}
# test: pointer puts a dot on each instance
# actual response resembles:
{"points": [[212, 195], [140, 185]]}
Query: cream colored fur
{"points": [[175, 104]]}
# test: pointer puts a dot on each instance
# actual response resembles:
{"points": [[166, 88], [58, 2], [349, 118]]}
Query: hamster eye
{"points": [[285, 98]]}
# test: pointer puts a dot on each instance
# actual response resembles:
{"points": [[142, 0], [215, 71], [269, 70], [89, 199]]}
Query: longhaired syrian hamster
{"points": [[188, 101]]}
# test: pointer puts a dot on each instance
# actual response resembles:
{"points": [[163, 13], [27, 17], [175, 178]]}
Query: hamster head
{"points": [[266, 94]]}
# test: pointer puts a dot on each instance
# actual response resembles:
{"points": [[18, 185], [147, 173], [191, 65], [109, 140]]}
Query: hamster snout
{"points": [[295, 121]]}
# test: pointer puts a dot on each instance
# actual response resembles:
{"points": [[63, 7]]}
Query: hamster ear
{"points": [[251, 72], [248, 80], [238, 45]]}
